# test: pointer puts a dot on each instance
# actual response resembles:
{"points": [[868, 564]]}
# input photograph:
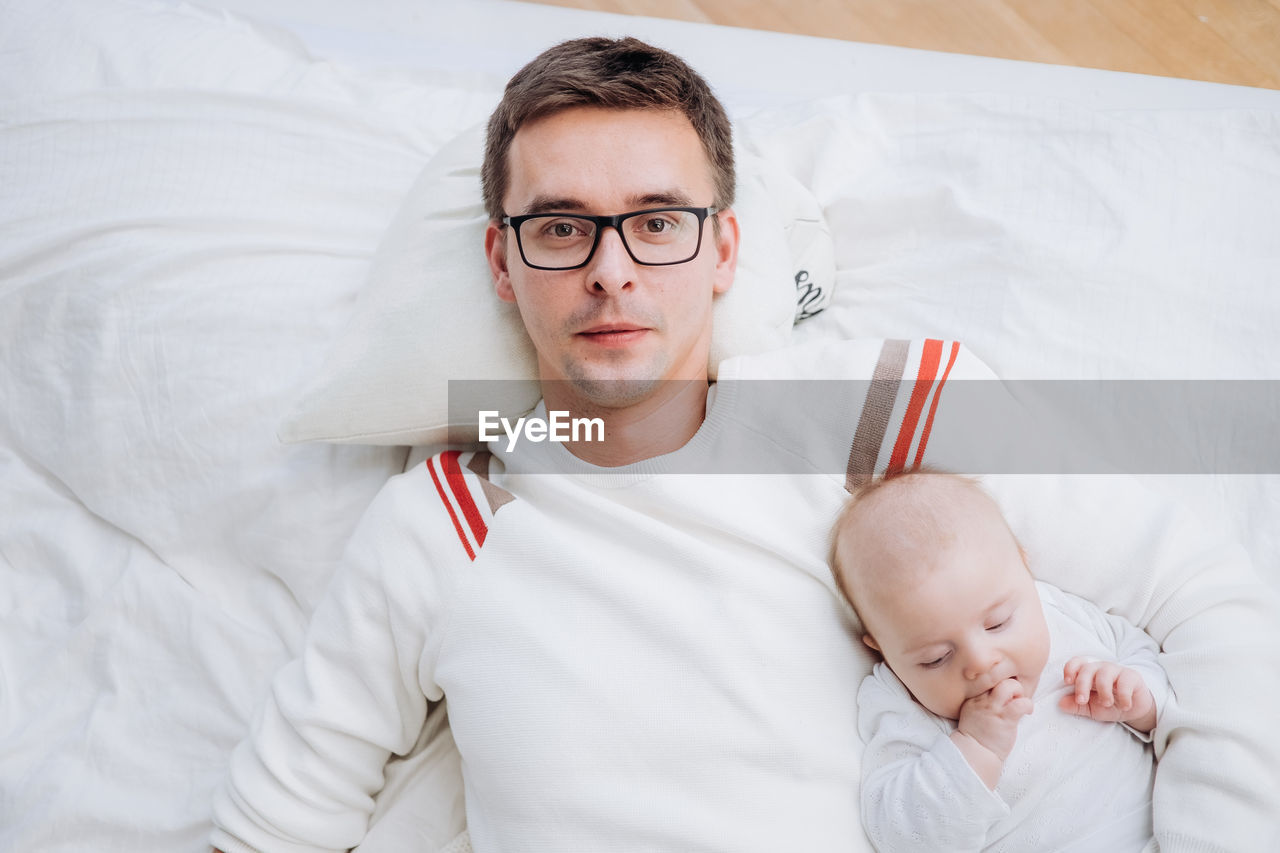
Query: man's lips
{"points": [[613, 334]]}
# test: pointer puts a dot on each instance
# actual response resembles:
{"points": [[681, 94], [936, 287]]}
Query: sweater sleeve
{"points": [[918, 791], [1136, 554], [1135, 649], [305, 777]]}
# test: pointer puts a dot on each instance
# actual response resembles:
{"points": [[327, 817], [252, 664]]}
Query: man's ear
{"points": [[726, 249], [495, 250], [870, 641]]}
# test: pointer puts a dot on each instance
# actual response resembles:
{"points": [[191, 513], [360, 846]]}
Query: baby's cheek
{"points": [[938, 690], [945, 700], [1039, 649]]}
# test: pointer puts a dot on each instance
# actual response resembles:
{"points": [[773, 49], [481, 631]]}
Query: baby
{"points": [[991, 722]]}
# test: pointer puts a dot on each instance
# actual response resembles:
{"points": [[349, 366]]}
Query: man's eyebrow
{"points": [[564, 204], [665, 198], [548, 204]]}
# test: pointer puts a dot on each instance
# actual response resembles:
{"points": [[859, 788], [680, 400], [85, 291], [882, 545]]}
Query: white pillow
{"points": [[429, 313]]}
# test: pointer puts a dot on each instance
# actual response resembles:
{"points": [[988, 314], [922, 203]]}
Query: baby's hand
{"points": [[1109, 692], [991, 718]]}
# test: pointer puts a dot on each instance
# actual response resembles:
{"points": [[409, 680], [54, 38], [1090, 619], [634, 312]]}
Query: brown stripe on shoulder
{"points": [[877, 408], [479, 465]]}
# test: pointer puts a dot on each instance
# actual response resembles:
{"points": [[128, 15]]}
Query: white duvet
{"points": [[189, 205]]}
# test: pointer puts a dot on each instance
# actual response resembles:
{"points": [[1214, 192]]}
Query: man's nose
{"points": [[611, 269]]}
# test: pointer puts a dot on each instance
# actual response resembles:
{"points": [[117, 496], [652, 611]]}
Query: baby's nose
{"points": [[981, 663]]}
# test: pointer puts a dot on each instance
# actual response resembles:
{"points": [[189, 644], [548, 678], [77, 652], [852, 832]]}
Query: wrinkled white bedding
{"points": [[189, 205]]}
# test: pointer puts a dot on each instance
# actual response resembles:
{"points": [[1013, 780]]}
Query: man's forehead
{"points": [[587, 158], [582, 116]]}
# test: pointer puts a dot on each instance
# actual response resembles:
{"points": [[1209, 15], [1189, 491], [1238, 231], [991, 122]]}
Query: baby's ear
{"points": [[870, 642]]}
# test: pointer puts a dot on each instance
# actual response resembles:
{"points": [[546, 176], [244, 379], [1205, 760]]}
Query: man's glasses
{"points": [[659, 236]]}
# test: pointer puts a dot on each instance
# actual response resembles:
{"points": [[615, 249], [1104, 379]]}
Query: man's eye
{"points": [[657, 225], [559, 228]]}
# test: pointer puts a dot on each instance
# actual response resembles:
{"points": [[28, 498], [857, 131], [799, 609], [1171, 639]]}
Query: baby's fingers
{"points": [[1072, 670], [1127, 685], [1072, 667], [1104, 684], [1020, 707], [1081, 672]]}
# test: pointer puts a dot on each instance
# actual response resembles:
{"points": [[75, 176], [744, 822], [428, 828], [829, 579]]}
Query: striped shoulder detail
{"points": [[479, 465], [908, 422], [462, 482], [926, 391]]}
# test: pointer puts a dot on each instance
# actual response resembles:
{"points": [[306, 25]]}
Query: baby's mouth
{"points": [[994, 683]]}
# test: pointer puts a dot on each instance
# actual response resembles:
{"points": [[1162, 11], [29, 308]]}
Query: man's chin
{"points": [[611, 392]]}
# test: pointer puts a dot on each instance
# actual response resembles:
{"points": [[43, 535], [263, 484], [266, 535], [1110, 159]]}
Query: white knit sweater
{"points": [[649, 658]]}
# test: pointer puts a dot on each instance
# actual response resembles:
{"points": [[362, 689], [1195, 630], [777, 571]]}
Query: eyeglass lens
{"points": [[652, 237]]}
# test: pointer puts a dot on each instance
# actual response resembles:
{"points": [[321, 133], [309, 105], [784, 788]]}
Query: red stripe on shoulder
{"points": [[929, 360], [448, 505], [462, 494], [933, 407]]}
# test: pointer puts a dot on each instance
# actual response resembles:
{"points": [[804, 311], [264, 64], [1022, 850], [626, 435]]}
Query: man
{"points": [[626, 668], [636, 657], [623, 330]]}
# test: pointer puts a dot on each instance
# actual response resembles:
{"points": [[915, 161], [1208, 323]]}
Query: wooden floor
{"points": [[1223, 41]]}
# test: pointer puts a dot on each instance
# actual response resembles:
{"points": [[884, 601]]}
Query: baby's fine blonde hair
{"points": [[900, 512]]}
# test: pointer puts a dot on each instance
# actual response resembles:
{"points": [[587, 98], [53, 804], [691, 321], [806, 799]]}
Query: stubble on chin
{"points": [[607, 392], [612, 380]]}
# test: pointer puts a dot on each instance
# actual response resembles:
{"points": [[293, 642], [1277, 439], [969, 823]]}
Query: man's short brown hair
{"points": [[615, 74]]}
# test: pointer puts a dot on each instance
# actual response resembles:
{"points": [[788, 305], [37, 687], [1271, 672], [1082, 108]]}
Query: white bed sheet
{"points": [[160, 551]]}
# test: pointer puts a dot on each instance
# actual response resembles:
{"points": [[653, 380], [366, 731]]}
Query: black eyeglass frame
{"points": [[614, 222]]}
